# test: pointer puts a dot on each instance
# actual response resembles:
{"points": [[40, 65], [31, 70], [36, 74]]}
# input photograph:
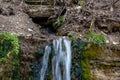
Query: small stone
{"points": [[78, 7], [3, 25], [17, 22], [107, 41], [111, 9], [30, 30], [29, 35], [115, 43]]}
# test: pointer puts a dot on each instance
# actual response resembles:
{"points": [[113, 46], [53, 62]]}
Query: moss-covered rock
{"points": [[83, 53], [77, 55], [90, 52], [9, 61]]}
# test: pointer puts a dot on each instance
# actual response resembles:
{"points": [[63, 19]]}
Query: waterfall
{"points": [[45, 62], [60, 60]]}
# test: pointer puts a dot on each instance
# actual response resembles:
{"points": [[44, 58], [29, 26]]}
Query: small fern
{"points": [[58, 22], [96, 38]]}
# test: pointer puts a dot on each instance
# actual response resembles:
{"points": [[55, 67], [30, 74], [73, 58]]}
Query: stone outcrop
{"points": [[106, 67]]}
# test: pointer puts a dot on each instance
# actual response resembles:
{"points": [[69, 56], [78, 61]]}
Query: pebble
{"points": [[115, 43], [30, 30], [3, 25], [107, 41]]}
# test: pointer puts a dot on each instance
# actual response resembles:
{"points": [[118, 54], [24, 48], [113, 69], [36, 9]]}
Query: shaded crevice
{"points": [[41, 21], [46, 26]]}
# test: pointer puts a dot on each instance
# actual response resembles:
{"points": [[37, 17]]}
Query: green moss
{"points": [[9, 48], [86, 74], [84, 52], [96, 38], [82, 60], [92, 51]]}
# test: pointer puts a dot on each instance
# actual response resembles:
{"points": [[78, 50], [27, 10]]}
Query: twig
{"points": [[115, 2], [92, 23]]}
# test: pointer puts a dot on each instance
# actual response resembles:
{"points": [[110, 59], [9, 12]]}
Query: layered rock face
{"points": [[106, 66]]}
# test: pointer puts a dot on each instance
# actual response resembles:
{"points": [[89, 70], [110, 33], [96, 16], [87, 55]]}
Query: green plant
{"points": [[58, 22], [9, 62], [8, 44], [96, 38]]}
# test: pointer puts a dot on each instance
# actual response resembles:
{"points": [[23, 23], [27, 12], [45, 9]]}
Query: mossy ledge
{"points": [[90, 52], [9, 62], [83, 52]]}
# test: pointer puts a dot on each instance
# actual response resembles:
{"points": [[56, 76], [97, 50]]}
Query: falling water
{"points": [[45, 62], [61, 61]]}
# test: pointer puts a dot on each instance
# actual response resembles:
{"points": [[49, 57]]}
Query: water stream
{"points": [[45, 62], [60, 60]]}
